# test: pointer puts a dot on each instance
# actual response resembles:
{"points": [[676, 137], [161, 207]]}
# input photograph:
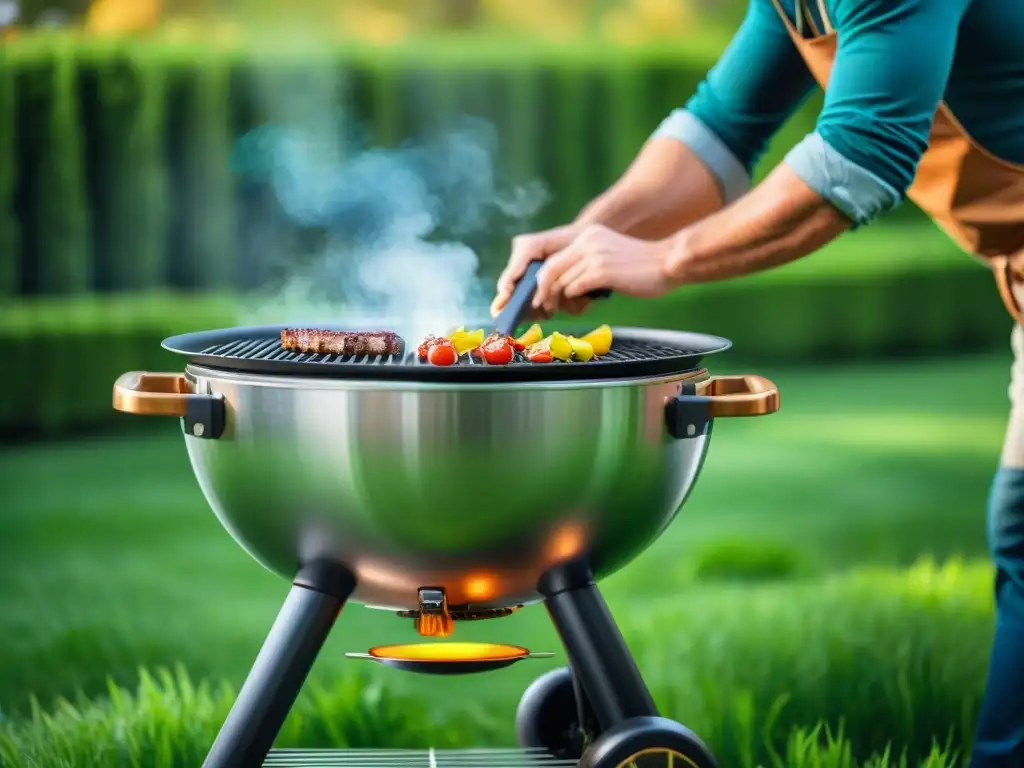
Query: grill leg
{"points": [[597, 651], [279, 672]]}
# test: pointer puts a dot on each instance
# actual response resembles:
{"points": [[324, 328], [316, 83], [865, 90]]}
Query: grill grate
{"points": [[635, 352], [429, 758], [269, 349]]}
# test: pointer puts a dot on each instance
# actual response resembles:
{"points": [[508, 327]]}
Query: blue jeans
{"points": [[999, 739]]}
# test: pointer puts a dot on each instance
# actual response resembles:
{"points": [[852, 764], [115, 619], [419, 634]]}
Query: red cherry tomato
{"points": [[498, 351], [442, 354], [478, 353], [516, 345], [540, 357], [427, 344]]}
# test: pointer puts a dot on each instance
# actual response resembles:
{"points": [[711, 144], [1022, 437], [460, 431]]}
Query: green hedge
{"points": [[51, 201], [61, 356], [9, 244], [123, 180]]}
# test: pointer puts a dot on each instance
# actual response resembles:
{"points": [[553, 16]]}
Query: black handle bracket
{"points": [[205, 416], [688, 415]]}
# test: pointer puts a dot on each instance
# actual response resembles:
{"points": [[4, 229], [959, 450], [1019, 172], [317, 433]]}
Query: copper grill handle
{"points": [[169, 394], [748, 395], [151, 394], [690, 413]]}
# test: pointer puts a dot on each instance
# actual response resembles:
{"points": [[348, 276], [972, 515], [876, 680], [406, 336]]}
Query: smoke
{"points": [[394, 223]]}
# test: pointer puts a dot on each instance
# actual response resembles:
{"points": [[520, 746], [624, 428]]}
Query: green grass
{"points": [[781, 596], [882, 657]]}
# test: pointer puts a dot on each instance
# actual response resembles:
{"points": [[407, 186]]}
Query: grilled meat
{"points": [[356, 343]]}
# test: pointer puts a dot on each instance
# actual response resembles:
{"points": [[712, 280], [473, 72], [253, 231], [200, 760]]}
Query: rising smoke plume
{"points": [[394, 221]]}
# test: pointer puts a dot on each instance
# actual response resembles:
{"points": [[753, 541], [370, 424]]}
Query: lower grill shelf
{"points": [[411, 758]]}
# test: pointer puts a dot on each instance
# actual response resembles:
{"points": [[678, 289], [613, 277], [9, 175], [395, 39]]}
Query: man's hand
{"points": [[596, 258], [666, 188], [602, 258], [534, 247]]}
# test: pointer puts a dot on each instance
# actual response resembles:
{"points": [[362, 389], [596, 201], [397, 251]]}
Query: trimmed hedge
{"points": [[9, 243], [62, 356], [123, 103], [123, 149], [51, 201]]}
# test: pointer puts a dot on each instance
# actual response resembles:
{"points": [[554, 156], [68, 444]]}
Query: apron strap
{"points": [[824, 17], [1002, 268], [803, 13]]}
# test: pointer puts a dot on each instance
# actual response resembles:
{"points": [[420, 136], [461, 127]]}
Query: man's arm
{"points": [[701, 156], [890, 74]]}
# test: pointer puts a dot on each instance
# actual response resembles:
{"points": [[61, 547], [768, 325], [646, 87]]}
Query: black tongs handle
{"points": [[518, 305]]}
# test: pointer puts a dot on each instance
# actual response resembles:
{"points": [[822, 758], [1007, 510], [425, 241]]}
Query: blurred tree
{"points": [[123, 16], [633, 22], [459, 14]]}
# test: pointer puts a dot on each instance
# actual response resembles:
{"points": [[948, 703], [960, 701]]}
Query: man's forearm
{"points": [[780, 220], [665, 189]]}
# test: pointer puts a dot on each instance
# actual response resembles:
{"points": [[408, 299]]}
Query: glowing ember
{"points": [[480, 586]]}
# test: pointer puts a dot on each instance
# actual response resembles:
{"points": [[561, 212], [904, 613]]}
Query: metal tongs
{"points": [[519, 303]]}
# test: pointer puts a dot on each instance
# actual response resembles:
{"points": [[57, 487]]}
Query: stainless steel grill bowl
{"points": [[475, 478]]}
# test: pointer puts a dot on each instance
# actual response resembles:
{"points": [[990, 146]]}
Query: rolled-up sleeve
{"points": [[890, 73], [758, 82]]}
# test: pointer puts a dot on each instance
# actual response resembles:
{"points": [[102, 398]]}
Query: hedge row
{"points": [[115, 157], [10, 248], [62, 356]]}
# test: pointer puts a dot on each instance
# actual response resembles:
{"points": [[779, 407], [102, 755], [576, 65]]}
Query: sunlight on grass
{"points": [[920, 434]]}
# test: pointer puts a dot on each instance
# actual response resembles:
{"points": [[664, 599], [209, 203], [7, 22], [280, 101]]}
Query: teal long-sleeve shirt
{"points": [[896, 60]]}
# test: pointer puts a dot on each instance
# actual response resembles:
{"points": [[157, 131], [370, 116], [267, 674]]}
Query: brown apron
{"points": [[975, 197]]}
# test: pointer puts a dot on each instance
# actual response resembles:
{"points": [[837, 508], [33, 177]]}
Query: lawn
{"points": [[786, 592]]}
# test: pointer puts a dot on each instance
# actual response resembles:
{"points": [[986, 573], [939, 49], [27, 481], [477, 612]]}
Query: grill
{"points": [[345, 490], [431, 758], [635, 353]]}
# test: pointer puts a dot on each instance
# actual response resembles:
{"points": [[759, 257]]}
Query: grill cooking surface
{"points": [[270, 349], [634, 353], [371, 758]]}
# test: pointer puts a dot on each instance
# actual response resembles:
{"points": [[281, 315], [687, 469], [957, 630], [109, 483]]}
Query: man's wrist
{"points": [[610, 210], [677, 258]]}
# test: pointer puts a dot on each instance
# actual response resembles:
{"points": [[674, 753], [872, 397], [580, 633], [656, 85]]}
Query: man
{"points": [[923, 99]]}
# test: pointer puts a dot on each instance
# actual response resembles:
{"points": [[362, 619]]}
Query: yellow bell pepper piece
{"points": [[600, 339], [581, 350], [532, 335], [560, 347], [557, 344], [466, 341]]}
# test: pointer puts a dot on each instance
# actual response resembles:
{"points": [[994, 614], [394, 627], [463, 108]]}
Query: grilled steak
{"points": [[341, 342]]}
